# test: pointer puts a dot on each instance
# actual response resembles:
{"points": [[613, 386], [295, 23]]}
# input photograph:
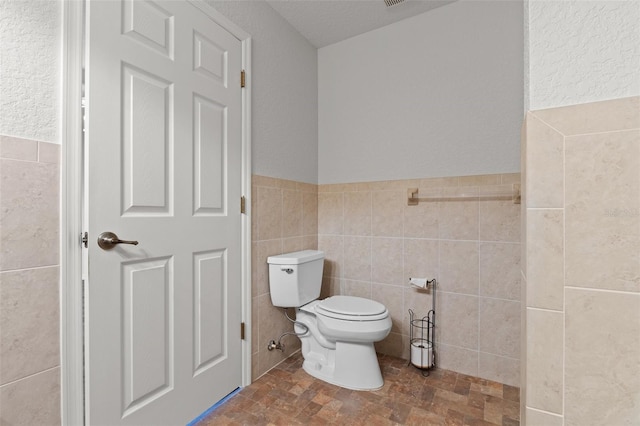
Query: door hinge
{"points": [[242, 80], [241, 331], [243, 205]]}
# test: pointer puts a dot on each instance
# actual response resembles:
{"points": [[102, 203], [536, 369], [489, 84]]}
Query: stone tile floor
{"points": [[287, 395]]}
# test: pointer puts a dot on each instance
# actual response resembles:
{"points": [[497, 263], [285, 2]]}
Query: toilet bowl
{"points": [[338, 346], [337, 333]]}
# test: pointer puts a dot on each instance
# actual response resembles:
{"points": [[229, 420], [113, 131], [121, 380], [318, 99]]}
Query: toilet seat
{"points": [[351, 308]]}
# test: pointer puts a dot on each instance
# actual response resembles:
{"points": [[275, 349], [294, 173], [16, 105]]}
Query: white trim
{"points": [[71, 297], [71, 300], [221, 20], [246, 224]]}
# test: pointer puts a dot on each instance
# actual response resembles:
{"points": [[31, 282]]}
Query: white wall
{"points": [[285, 92], [30, 51], [582, 51], [440, 94], [285, 132]]}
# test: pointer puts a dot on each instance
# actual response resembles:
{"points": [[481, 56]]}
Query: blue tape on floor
{"points": [[216, 405]]}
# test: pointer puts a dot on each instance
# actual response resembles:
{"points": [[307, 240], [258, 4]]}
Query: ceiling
{"points": [[325, 22]]}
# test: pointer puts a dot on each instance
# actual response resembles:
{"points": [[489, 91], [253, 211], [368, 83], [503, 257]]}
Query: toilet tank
{"points": [[295, 278]]}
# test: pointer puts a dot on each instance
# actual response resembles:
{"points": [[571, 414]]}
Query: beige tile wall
{"points": [[29, 282], [582, 275], [374, 242], [284, 219]]}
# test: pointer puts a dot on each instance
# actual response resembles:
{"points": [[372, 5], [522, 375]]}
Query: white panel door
{"points": [[164, 162]]}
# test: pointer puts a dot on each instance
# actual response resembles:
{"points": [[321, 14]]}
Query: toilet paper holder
{"points": [[422, 335]]}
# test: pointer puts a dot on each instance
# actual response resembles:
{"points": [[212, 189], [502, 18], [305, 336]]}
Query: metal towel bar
{"points": [[514, 195]]}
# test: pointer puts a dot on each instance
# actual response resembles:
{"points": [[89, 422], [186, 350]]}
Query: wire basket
{"points": [[422, 341]]}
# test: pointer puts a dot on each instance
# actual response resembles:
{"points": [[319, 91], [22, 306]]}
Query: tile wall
{"points": [[374, 242], [284, 219], [581, 268], [29, 282]]}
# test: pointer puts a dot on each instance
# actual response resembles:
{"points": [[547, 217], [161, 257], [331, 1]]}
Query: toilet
{"points": [[336, 333]]}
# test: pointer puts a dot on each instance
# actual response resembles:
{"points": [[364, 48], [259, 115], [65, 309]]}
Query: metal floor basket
{"points": [[422, 336]]}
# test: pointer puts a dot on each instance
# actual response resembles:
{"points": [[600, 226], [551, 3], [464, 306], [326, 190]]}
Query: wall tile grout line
{"points": [[29, 268], [29, 376]]}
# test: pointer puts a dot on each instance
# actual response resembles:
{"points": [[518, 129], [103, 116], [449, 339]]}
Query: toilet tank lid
{"points": [[296, 258]]}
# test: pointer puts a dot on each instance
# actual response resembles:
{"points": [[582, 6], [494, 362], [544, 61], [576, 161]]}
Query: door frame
{"points": [[72, 392]]}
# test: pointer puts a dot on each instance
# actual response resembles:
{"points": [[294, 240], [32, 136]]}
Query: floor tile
{"points": [[288, 396]]}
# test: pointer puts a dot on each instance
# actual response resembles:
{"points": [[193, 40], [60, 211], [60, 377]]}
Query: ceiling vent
{"points": [[390, 3]]}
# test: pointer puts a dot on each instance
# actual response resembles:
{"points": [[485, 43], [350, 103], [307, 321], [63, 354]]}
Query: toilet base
{"points": [[350, 365]]}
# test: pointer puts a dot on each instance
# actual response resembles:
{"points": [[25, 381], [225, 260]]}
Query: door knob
{"points": [[108, 240]]}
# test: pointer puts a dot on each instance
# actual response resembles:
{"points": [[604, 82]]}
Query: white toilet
{"points": [[337, 345]]}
